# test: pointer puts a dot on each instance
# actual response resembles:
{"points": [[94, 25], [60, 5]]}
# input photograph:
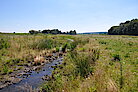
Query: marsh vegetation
{"points": [[92, 63]]}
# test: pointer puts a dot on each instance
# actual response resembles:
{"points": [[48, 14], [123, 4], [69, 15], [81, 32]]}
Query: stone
{"points": [[15, 80], [2, 86]]}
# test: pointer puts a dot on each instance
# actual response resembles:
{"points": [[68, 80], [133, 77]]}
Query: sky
{"points": [[65, 15]]}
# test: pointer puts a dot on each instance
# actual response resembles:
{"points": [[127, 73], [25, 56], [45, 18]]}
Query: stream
{"points": [[34, 80]]}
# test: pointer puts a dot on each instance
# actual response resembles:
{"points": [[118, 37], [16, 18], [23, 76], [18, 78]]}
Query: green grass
{"points": [[93, 63], [121, 57], [76, 67], [115, 70], [18, 49]]}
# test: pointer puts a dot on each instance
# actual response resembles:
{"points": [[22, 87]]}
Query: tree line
{"points": [[53, 31], [126, 28]]}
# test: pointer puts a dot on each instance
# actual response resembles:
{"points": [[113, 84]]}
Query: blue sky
{"points": [[81, 15]]}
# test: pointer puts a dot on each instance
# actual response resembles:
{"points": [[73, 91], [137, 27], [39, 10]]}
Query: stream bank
{"points": [[32, 77]]}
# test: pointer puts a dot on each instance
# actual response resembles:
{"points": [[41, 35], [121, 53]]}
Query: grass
{"points": [[112, 58], [93, 63], [19, 49], [114, 68], [4, 43], [76, 67]]}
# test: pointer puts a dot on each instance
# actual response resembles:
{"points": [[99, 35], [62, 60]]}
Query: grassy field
{"points": [[95, 63], [17, 50], [103, 63]]}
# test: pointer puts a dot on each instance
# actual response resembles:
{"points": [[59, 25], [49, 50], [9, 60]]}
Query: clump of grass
{"points": [[72, 45], [4, 44], [116, 57], [57, 49], [43, 44], [127, 55], [121, 76], [82, 49], [6, 70], [84, 61], [102, 42], [64, 47], [130, 43], [12, 61]]}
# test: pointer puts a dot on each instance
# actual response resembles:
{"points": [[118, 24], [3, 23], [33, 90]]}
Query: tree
{"points": [[72, 32], [126, 28], [33, 32]]}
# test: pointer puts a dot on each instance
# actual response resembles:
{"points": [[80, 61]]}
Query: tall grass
{"points": [[94, 63], [4, 43], [115, 69], [121, 52], [84, 62], [43, 44], [19, 49], [76, 67]]}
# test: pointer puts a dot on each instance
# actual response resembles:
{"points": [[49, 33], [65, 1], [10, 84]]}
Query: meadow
{"points": [[104, 63], [92, 63]]}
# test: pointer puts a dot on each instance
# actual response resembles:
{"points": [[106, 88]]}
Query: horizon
{"points": [[65, 15], [59, 30]]}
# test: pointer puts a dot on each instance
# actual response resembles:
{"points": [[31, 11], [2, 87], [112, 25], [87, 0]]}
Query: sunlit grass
{"points": [[115, 70], [93, 63], [19, 49]]}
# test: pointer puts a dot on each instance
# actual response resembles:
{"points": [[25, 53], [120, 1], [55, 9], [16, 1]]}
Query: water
{"points": [[34, 80]]}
